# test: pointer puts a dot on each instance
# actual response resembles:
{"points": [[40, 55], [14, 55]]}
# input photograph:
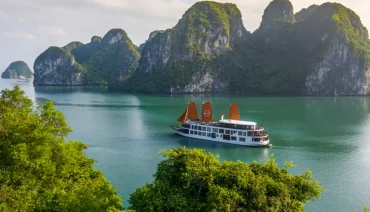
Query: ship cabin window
{"points": [[199, 128], [191, 131], [240, 133], [221, 136], [256, 133], [226, 137], [233, 138], [244, 134], [187, 126], [217, 135], [227, 132], [204, 129], [256, 139], [209, 129], [242, 139], [199, 133], [214, 130], [214, 135], [222, 131], [235, 131], [209, 135], [204, 134]]}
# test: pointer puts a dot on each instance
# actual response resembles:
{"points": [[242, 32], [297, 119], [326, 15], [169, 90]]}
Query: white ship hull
{"points": [[221, 140]]}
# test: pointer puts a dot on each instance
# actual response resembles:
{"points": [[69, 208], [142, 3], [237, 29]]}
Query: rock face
{"points": [[343, 67], [207, 28], [57, 66], [305, 13], [326, 51], [17, 69], [152, 35], [278, 12], [181, 55], [103, 61]]}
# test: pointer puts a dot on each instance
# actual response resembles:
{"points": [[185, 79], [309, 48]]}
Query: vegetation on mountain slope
{"points": [[16, 69]]}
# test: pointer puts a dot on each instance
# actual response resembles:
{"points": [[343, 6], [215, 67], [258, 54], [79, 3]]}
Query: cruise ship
{"points": [[231, 130]]}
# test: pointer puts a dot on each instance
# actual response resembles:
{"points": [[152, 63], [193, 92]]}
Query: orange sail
{"points": [[207, 112], [182, 119], [192, 112], [234, 112]]}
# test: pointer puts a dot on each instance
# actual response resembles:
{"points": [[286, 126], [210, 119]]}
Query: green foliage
{"points": [[193, 180], [72, 46], [114, 62], [206, 15], [39, 171], [163, 78], [277, 13], [366, 209], [17, 69], [349, 23], [105, 63]]}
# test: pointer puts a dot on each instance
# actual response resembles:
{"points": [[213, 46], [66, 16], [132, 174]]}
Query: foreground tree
{"points": [[193, 180], [39, 171]]}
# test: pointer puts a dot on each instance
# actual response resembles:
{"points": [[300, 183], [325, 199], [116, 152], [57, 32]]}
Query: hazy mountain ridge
{"points": [[321, 50]]}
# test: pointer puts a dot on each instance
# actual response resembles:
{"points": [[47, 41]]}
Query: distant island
{"points": [[321, 50], [17, 69]]}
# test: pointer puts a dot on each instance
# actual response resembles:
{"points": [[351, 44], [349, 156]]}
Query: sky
{"points": [[29, 27]]}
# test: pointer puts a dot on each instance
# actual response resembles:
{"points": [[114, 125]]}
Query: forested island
{"points": [[321, 50], [17, 69]]}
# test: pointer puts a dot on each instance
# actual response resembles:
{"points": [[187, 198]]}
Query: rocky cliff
{"points": [[115, 61], [57, 66], [321, 50], [180, 59], [103, 61], [324, 50], [341, 50], [279, 14], [17, 69]]}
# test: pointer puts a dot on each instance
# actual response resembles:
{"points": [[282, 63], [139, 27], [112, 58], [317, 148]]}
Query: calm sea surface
{"points": [[125, 132]]}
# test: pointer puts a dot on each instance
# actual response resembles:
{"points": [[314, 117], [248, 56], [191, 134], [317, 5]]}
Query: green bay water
{"points": [[125, 132]]}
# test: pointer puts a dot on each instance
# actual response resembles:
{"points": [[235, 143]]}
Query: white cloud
{"points": [[110, 3], [20, 36], [24, 36], [146, 9], [53, 31]]}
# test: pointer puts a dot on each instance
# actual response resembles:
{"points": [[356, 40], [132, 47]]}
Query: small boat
{"points": [[21, 77], [231, 130]]}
